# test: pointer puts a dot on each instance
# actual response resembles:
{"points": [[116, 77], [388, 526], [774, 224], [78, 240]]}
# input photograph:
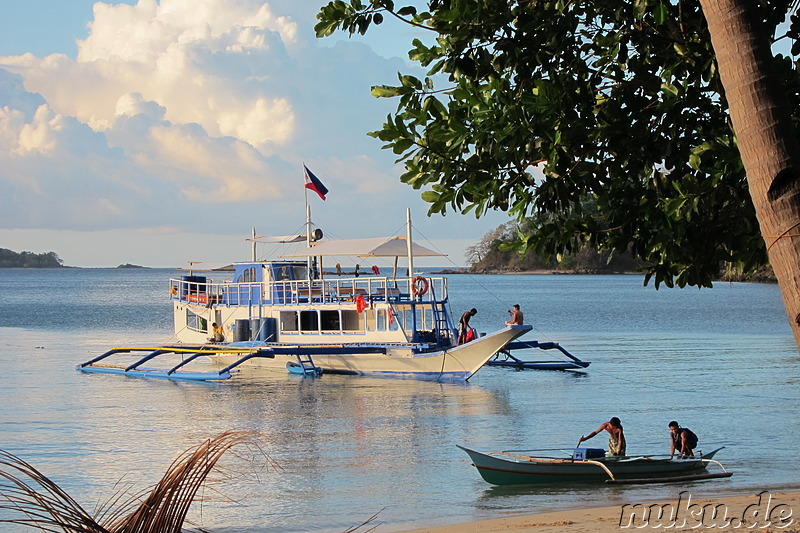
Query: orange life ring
{"points": [[419, 286]]}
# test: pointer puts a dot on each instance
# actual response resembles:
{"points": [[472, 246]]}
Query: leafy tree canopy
{"points": [[603, 120], [12, 259]]}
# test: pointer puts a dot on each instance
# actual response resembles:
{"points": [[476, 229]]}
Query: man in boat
{"points": [[218, 334], [616, 440], [516, 317], [463, 325], [681, 440]]}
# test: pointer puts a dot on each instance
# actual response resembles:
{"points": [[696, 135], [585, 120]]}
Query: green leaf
{"points": [[661, 14]]}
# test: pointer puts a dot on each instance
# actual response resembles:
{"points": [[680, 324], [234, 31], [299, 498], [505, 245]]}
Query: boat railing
{"points": [[370, 289]]}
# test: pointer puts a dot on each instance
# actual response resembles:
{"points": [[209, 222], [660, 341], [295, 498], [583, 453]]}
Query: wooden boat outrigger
{"points": [[520, 468], [506, 358]]}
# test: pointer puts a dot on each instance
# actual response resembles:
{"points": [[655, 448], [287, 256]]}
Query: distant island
{"points": [[128, 265], [12, 259]]}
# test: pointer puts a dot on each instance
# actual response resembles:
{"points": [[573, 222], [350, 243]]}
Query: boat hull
{"points": [[504, 469], [457, 363]]}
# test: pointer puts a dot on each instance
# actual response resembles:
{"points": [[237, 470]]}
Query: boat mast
{"points": [[309, 260], [253, 239], [408, 243]]}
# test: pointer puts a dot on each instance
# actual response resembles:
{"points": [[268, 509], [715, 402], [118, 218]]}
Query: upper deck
{"points": [[281, 283]]}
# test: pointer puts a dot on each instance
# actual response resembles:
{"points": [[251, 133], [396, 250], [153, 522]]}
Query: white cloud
{"points": [[196, 115]]}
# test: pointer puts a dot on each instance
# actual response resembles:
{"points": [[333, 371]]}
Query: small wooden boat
{"points": [[517, 468]]}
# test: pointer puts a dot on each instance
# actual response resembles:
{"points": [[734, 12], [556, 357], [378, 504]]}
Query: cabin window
{"points": [[283, 273], [329, 320], [380, 320], [353, 321], [395, 319], [428, 317], [309, 321], [300, 272], [195, 322], [288, 321]]}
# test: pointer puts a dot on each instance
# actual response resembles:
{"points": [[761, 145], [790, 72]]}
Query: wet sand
{"points": [[765, 512]]}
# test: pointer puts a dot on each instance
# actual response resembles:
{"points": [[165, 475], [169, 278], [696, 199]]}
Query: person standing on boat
{"points": [[463, 325], [681, 440], [516, 317], [616, 441]]}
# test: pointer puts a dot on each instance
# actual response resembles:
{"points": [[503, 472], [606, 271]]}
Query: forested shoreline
{"points": [[496, 253], [12, 259]]}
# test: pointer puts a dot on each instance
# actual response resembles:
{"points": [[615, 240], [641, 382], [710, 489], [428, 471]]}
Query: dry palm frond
{"points": [[367, 522], [162, 509]]}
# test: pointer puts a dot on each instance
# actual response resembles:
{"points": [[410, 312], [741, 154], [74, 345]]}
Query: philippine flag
{"points": [[313, 183]]}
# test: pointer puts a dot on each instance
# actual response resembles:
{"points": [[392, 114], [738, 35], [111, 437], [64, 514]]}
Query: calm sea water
{"points": [[720, 361]]}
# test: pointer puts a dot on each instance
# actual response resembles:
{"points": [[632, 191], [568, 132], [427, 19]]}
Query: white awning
{"points": [[375, 247], [280, 239], [200, 266]]}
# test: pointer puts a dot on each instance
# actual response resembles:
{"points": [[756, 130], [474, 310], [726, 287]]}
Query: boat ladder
{"points": [[443, 334], [307, 364]]}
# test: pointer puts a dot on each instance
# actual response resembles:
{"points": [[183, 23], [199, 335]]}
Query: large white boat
{"points": [[291, 313]]}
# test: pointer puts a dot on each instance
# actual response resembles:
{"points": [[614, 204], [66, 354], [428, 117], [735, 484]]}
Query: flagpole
{"points": [[308, 226]]}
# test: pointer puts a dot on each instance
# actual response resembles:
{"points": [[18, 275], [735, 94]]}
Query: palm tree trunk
{"points": [[767, 140]]}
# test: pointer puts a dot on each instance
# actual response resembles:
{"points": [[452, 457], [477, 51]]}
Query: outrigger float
{"points": [[506, 358], [288, 314]]}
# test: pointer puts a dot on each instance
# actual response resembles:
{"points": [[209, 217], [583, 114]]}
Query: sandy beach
{"points": [[766, 512]]}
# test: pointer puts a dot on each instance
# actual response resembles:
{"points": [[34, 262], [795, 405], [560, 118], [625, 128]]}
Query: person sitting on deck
{"points": [[217, 332], [616, 441], [463, 325], [681, 440], [516, 317]]}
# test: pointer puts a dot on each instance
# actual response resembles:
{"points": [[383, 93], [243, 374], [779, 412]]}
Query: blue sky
{"points": [[159, 132]]}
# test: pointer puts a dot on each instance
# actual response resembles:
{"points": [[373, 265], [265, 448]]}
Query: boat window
{"points": [[309, 321], [354, 321], [288, 321], [371, 322], [381, 320], [428, 319], [395, 319], [283, 273], [195, 322], [300, 272], [329, 320]]}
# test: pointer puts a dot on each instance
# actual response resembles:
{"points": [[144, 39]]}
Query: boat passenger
{"points": [[516, 317], [681, 440], [616, 440], [217, 332], [463, 325]]}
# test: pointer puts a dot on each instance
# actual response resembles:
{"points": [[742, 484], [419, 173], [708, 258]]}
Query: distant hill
{"points": [[12, 259], [128, 265]]}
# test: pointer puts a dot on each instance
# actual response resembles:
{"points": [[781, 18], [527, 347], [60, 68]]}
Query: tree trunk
{"points": [[767, 141]]}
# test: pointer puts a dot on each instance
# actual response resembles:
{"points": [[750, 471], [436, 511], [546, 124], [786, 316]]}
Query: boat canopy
{"points": [[375, 247], [200, 266], [277, 239]]}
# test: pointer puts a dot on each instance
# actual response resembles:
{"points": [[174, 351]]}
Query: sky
{"points": [[156, 132]]}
